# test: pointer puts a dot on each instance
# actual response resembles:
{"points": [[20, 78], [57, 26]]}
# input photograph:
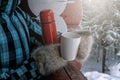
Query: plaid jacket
{"points": [[15, 39]]}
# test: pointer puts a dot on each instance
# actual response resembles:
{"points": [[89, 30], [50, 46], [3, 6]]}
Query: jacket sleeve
{"points": [[26, 71], [29, 69], [35, 29]]}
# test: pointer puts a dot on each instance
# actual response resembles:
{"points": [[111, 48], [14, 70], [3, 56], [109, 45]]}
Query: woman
{"points": [[16, 40]]}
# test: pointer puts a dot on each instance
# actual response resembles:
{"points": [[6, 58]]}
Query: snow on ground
{"points": [[95, 75], [114, 74]]}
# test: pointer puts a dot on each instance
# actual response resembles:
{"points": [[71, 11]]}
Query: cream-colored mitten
{"points": [[85, 46], [48, 59]]}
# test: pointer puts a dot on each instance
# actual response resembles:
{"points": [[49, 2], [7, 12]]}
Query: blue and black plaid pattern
{"points": [[15, 39]]}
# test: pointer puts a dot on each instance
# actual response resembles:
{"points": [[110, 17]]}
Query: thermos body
{"points": [[49, 27]]}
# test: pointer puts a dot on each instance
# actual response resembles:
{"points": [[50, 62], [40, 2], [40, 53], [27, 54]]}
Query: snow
{"points": [[115, 70], [95, 75], [102, 18], [113, 75]]}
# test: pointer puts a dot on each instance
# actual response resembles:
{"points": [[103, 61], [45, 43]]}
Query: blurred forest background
{"points": [[102, 18]]}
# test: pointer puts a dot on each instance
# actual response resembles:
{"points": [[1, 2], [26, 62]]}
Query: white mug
{"points": [[69, 45]]}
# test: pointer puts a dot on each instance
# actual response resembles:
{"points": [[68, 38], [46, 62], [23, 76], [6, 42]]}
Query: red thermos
{"points": [[49, 27]]}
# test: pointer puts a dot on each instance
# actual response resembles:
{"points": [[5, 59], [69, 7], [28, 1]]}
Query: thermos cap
{"points": [[46, 16]]}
